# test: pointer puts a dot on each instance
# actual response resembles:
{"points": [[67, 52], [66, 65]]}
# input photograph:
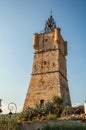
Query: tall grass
{"points": [[76, 127], [8, 123], [66, 126]]}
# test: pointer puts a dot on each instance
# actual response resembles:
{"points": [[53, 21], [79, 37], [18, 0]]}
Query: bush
{"points": [[47, 127], [50, 108], [40, 110], [57, 100], [58, 105], [27, 114], [7, 122], [73, 110], [51, 117]]}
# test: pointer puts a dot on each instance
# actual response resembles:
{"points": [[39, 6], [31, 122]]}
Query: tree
{"points": [[58, 105]]}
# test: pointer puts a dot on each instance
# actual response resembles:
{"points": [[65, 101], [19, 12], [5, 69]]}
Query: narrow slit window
{"points": [[44, 62], [42, 102], [53, 64], [46, 40]]}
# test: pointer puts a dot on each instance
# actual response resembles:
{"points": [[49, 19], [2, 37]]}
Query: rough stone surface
{"points": [[49, 72]]}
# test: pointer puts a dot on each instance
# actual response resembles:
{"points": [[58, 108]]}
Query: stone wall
{"points": [[36, 125]]}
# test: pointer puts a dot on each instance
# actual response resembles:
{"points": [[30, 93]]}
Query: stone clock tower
{"points": [[49, 71]]}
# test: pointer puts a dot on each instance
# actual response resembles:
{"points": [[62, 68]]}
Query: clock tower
{"points": [[49, 71]]}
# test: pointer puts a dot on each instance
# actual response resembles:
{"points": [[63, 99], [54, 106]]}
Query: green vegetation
{"points": [[8, 122], [51, 110], [75, 127], [47, 111], [51, 117], [66, 126]]}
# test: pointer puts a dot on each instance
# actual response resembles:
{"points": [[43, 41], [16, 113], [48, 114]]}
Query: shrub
{"points": [[51, 117], [73, 110], [27, 114], [7, 122], [50, 107], [57, 100], [58, 105], [47, 127], [40, 110]]}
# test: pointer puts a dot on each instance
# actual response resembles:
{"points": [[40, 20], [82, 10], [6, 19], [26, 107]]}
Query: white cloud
{"points": [[76, 105]]}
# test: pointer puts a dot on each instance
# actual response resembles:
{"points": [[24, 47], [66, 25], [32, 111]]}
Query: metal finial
{"points": [[50, 24]]}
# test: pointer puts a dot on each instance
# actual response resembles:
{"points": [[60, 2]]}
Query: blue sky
{"points": [[19, 20]]}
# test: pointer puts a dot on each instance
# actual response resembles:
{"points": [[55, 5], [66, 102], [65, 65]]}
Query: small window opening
{"points": [[42, 102], [53, 64], [46, 40], [44, 62]]}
